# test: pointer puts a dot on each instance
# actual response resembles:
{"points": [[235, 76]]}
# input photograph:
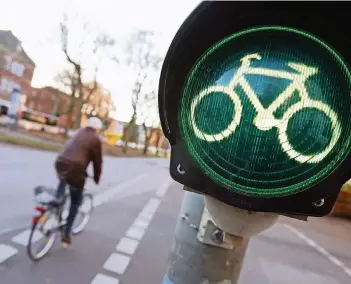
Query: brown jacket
{"points": [[71, 164]]}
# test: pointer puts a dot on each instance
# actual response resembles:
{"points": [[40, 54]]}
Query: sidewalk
{"points": [[22, 139], [22, 135]]}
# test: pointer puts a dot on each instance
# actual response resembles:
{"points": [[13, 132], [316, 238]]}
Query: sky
{"points": [[36, 24]]}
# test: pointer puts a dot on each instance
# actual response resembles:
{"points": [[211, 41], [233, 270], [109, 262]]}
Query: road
{"points": [[22, 170], [130, 234]]}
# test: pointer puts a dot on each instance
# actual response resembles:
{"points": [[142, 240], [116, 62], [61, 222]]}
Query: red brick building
{"points": [[16, 71], [16, 67], [48, 100]]}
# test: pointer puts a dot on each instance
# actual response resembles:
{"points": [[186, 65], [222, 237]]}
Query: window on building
{"points": [[7, 85], [13, 66]]}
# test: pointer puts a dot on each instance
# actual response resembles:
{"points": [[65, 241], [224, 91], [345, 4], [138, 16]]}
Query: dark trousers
{"points": [[76, 199]]}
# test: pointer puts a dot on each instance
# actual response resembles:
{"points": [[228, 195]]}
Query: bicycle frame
{"points": [[265, 119]]}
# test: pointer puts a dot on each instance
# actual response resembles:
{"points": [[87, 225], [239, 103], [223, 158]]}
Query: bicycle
{"points": [[265, 119], [51, 219]]}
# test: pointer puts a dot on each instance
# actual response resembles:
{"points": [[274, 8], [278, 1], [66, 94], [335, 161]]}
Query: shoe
{"points": [[66, 241]]}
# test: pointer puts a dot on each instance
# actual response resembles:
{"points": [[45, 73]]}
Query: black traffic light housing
{"points": [[209, 23]]}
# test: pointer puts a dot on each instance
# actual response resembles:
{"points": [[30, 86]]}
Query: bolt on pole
{"points": [[193, 262]]}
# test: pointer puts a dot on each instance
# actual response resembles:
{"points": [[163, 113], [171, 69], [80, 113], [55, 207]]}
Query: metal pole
{"points": [[193, 262]]}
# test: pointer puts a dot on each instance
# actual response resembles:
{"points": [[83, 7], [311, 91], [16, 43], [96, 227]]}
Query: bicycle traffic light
{"points": [[255, 99]]}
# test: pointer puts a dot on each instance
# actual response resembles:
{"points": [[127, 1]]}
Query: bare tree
{"points": [[80, 92], [158, 140], [136, 93], [147, 109], [141, 57], [68, 81]]}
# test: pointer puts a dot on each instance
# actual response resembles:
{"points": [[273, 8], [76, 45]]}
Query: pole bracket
{"points": [[210, 234]]}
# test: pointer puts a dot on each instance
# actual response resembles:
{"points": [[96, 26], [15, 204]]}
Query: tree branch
{"points": [[64, 35]]}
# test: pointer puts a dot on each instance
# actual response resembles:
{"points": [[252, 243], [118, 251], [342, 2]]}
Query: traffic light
{"points": [[255, 99]]}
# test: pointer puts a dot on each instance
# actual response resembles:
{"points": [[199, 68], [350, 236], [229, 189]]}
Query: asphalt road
{"points": [[21, 170], [130, 234]]}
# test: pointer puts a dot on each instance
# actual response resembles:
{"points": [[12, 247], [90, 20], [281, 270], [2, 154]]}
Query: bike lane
{"points": [[81, 262]]}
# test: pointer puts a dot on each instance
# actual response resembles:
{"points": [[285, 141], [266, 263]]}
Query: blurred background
{"points": [[75, 59]]}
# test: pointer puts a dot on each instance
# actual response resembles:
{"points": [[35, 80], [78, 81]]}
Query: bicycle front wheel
{"points": [[236, 115], [42, 236], [84, 213]]}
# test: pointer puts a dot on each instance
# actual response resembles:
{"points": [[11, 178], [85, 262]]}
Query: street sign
{"points": [[263, 112]]}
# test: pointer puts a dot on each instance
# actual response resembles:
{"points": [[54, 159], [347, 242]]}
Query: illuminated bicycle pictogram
{"points": [[265, 119]]}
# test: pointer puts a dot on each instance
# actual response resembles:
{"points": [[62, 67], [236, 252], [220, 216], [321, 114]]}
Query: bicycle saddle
{"points": [[302, 68]]}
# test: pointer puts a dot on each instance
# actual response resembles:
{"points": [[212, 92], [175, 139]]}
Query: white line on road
{"points": [[127, 245], [135, 232], [22, 238], [311, 243], [142, 223], [10, 229], [149, 209], [163, 189], [151, 206], [6, 252], [104, 279], [117, 263], [146, 216], [109, 193]]}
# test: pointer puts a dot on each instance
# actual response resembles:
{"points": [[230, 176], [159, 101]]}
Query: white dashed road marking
{"points": [[141, 223], [117, 263], [151, 206], [163, 189], [127, 245], [150, 209], [311, 243], [104, 279], [147, 216], [22, 238], [6, 252], [135, 232]]}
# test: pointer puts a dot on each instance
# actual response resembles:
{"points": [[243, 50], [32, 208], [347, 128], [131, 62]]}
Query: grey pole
{"points": [[193, 262]]}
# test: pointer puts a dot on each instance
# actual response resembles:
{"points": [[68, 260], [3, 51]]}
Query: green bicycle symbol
{"points": [[265, 119]]}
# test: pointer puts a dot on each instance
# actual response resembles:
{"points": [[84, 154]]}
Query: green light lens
{"points": [[266, 112]]}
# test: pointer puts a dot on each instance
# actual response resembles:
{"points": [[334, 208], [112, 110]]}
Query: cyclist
{"points": [[71, 165]]}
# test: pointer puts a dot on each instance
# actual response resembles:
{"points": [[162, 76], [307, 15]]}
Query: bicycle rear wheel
{"points": [[84, 213], [42, 236]]}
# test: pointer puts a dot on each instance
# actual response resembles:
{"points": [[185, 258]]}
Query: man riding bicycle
{"points": [[71, 166]]}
